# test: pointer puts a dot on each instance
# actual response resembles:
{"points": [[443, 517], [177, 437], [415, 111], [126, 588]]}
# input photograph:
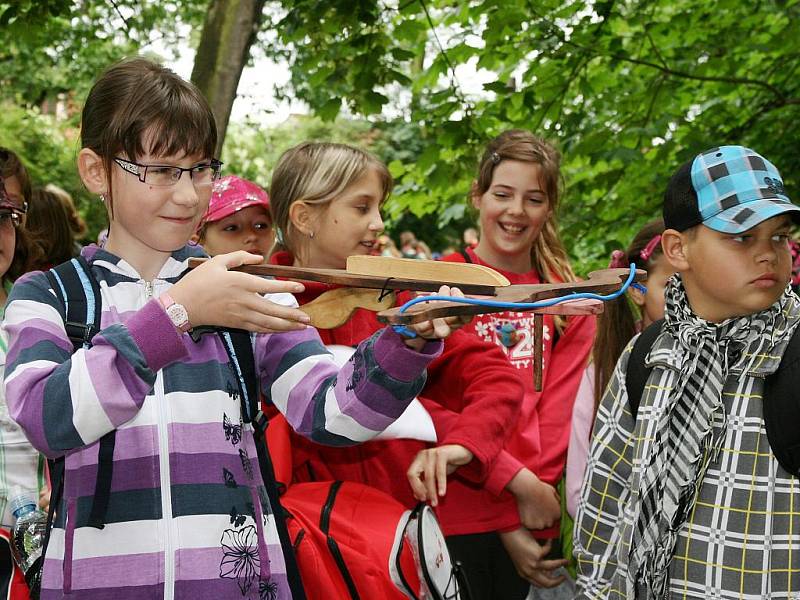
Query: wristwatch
{"points": [[176, 313]]}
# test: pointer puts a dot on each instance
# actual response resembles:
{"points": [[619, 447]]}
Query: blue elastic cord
{"points": [[640, 287], [405, 332]]}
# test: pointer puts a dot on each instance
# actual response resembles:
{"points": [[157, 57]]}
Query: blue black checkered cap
{"points": [[729, 189]]}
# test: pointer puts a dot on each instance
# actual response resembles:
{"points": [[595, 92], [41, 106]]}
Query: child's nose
{"points": [[184, 191], [516, 206], [766, 252], [376, 224]]}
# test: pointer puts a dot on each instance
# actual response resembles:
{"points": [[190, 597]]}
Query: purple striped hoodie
{"points": [[188, 517]]}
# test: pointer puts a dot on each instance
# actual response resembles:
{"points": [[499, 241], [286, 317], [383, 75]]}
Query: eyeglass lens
{"points": [[202, 175]]}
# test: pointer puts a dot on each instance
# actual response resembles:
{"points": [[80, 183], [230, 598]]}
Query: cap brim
{"points": [[742, 217]]}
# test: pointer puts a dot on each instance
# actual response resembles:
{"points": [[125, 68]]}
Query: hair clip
{"points": [[495, 157], [618, 260], [648, 250]]}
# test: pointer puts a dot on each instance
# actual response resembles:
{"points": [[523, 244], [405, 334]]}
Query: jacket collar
{"points": [[174, 266]]}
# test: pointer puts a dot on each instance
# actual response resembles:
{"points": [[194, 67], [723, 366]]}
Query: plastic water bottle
{"points": [[28, 534]]}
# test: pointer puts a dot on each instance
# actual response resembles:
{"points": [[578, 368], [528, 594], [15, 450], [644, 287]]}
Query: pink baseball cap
{"points": [[231, 194]]}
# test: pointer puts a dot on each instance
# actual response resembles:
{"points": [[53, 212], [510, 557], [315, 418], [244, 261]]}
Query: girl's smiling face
{"points": [[248, 229], [149, 222], [350, 224], [513, 211]]}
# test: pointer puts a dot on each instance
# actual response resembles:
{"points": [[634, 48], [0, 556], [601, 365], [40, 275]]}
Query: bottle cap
{"points": [[20, 501]]}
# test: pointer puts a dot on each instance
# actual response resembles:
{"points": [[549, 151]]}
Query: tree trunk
{"points": [[228, 32]]}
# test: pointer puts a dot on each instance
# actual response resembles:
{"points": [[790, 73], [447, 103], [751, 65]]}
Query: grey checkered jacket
{"points": [[742, 537]]}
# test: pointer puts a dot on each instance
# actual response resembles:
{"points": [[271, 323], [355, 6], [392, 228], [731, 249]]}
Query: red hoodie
{"points": [[473, 397], [541, 436]]}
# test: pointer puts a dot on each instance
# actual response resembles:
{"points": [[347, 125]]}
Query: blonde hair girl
{"points": [[314, 174]]}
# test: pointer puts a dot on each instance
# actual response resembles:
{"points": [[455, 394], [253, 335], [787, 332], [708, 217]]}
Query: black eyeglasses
{"points": [[9, 219], [166, 175]]}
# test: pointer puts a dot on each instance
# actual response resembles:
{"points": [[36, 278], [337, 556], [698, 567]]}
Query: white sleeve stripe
{"points": [[341, 424], [88, 415]]}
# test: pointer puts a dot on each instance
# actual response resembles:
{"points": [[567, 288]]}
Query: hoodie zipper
{"points": [[166, 488], [162, 411]]}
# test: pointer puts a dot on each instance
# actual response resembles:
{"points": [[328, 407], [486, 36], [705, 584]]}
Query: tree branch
{"points": [[124, 20], [663, 68], [684, 75]]}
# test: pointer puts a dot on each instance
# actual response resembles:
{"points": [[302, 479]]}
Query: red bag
{"points": [[343, 534], [353, 541], [12, 581]]}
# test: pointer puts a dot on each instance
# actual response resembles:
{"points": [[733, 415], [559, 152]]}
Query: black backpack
{"points": [[79, 293], [781, 404]]}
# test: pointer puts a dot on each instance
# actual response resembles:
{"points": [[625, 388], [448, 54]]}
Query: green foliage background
{"points": [[628, 90]]}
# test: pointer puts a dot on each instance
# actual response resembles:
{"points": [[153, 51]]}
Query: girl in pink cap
{"points": [[238, 218]]}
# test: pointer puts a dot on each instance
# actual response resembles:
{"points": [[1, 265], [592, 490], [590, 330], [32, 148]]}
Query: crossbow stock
{"points": [[369, 282]]}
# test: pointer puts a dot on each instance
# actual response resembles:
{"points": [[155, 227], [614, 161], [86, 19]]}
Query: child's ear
{"points": [[475, 196], [92, 171], [675, 245], [301, 216]]}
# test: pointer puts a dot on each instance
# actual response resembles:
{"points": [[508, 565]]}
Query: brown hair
{"points": [[317, 173], [76, 222], [48, 225], [616, 325], [11, 166], [22, 251], [548, 254], [138, 107]]}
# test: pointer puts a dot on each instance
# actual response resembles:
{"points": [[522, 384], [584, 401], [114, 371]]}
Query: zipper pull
{"points": [[148, 290]]}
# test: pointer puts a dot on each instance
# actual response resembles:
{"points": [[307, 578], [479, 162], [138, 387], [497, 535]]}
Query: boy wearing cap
{"points": [[687, 499], [238, 218]]}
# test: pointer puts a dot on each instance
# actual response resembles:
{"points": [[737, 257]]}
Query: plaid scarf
{"points": [[688, 426]]}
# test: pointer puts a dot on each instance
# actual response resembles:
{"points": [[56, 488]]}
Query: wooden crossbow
{"points": [[369, 281]]}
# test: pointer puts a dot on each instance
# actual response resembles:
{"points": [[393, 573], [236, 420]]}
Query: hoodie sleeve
{"points": [[341, 407]]}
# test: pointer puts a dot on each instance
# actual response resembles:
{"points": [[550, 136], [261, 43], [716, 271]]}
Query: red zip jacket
{"points": [[541, 436], [473, 397]]}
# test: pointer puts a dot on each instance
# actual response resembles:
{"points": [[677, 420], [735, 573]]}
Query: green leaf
{"points": [[330, 109]]}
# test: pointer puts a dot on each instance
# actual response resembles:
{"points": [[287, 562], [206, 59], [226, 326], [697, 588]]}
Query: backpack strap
{"points": [[333, 546], [637, 373], [239, 346], [465, 254], [80, 294], [782, 408]]}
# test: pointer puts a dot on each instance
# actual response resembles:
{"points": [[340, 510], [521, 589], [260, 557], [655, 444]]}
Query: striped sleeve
{"points": [[605, 489], [340, 407], [65, 400]]}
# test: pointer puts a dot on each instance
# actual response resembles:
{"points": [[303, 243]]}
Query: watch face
{"points": [[178, 315]]}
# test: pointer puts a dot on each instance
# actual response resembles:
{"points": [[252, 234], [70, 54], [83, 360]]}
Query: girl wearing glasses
{"points": [[186, 516]]}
